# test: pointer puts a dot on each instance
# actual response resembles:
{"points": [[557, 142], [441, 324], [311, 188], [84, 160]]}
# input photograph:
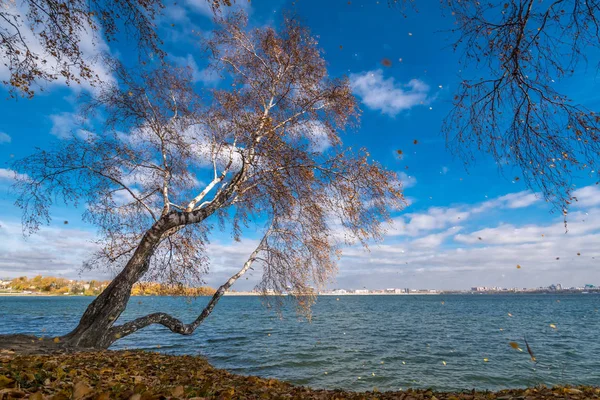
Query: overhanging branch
{"points": [[176, 325]]}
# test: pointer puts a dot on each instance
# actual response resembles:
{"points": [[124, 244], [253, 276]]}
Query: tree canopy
{"points": [[271, 147]]}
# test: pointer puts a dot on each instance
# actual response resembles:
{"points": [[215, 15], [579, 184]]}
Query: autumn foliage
{"points": [[270, 153]]}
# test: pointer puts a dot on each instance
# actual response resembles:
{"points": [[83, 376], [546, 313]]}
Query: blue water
{"points": [[402, 340]]}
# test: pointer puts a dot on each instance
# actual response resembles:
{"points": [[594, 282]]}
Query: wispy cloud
{"points": [[206, 76], [408, 181], [90, 43], [5, 138], [10, 175], [588, 196], [387, 95], [203, 7]]}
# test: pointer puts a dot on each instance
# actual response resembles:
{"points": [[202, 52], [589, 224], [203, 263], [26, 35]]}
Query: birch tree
{"points": [[271, 144]]}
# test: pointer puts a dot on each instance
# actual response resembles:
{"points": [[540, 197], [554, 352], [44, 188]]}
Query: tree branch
{"points": [[175, 325]]}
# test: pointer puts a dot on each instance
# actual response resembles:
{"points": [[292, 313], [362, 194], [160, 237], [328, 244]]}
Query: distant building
{"points": [[361, 291], [339, 291]]}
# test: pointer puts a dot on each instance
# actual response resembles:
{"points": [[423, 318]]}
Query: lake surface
{"points": [[390, 342]]}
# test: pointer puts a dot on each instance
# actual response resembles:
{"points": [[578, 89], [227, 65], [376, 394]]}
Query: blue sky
{"points": [[435, 242]]}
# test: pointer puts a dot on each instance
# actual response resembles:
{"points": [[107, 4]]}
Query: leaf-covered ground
{"points": [[139, 375]]}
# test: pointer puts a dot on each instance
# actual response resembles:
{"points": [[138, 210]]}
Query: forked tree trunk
{"points": [[94, 326]]}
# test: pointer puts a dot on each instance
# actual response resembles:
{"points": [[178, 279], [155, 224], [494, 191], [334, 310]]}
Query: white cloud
{"points": [[52, 251], [408, 181], [313, 130], [512, 200], [207, 76], [63, 124], [387, 95], [90, 43], [415, 224], [10, 175], [5, 138], [588, 196], [557, 257], [435, 239], [203, 7]]}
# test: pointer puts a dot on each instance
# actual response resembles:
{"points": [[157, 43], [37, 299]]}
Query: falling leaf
{"points": [[386, 62], [66, 222], [552, 326], [558, 258], [510, 315], [517, 178], [518, 266], [485, 360], [529, 351], [479, 238], [444, 362], [415, 141], [515, 346], [578, 254], [399, 152], [403, 362]]}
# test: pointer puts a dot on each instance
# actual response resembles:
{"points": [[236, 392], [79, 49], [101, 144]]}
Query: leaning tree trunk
{"points": [[94, 326]]}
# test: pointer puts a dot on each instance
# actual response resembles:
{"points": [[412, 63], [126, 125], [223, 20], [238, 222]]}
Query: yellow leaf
{"points": [[444, 362], [56, 340], [5, 381], [552, 326], [485, 360], [514, 345], [518, 266], [37, 396], [80, 390], [177, 391]]}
